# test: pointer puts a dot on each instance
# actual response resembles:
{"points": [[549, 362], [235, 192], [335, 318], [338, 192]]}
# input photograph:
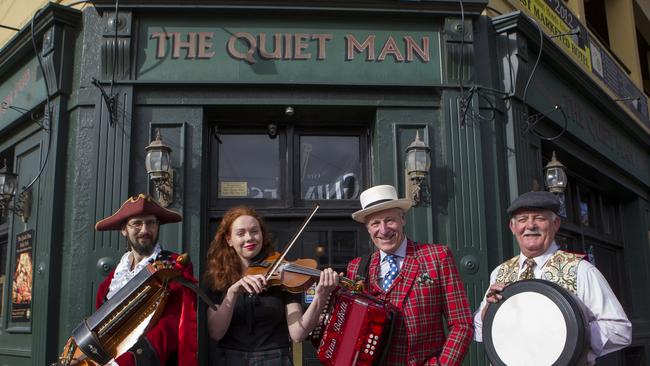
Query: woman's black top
{"points": [[259, 322]]}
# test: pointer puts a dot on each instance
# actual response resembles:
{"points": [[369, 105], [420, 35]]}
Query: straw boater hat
{"points": [[137, 206], [379, 198]]}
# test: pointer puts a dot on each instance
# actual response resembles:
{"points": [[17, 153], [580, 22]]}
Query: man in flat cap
{"points": [[173, 339], [534, 221], [420, 280]]}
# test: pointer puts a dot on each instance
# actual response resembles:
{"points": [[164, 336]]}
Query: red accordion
{"points": [[354, 329]]}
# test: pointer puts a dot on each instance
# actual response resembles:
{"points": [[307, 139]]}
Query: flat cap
{"points": [[540, 200]]}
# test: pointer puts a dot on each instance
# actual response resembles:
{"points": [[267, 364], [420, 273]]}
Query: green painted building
{"points": [[279, 105]]}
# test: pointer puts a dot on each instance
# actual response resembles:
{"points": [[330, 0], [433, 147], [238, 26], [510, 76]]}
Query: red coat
{"points": [[175, 333], [427, 287]]}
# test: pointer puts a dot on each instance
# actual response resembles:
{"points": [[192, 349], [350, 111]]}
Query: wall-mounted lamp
{"points": [[159, 168], [556, 181], [8, 185], [418, 162], [555, 176]]}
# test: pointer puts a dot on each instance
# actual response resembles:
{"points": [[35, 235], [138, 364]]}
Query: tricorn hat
{"points": [[537, 200], [379, 198], [137, 206]]}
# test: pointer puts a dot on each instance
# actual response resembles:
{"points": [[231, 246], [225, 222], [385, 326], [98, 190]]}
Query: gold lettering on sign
{"points": [[251, 47], [320, 41], [390, 48], [277, 47], [250, 43], [368, 45], [412, 45], [205, 45], [161, 43], [190, 44], [299, 47]]}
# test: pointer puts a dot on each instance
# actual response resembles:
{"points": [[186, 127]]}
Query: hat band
{"points": [[377, 202]]}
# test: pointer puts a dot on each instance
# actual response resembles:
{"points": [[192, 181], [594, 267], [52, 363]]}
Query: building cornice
{"points": [[20, 46], [568, 69], [470, 7]]}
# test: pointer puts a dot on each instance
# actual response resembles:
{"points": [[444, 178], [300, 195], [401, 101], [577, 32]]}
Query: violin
{"points": [[294, 276]]}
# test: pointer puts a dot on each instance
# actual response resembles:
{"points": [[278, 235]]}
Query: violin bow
{"points": [[276, 264]]}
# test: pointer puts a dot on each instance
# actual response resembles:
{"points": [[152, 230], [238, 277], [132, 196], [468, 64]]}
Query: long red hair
{"points": [[224, 267]]}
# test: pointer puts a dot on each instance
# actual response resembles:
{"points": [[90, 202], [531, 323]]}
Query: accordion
{"points": [[116, 326], [354, 329]]}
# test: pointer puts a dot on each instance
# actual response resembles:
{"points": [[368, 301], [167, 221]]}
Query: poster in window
{"points": [[22, 278]]}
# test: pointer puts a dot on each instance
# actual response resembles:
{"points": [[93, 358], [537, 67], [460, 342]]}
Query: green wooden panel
{"points": [[234, 49], [462, 223], [16, 338]]}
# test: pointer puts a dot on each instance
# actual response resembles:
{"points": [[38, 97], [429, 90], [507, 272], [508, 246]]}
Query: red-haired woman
{"points": [[254, 325]]}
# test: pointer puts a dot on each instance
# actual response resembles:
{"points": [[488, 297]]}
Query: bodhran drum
{"points": [[537, 323]]}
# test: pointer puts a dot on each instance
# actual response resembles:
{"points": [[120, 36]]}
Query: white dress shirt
{"points": [[123, 272], [399, 255], [610, 328]]}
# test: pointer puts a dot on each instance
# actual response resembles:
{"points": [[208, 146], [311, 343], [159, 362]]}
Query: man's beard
{"points": [[145, 249]]}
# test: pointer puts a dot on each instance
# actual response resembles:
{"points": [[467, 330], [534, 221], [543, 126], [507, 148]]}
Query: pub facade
{"points": [[281, 106]]}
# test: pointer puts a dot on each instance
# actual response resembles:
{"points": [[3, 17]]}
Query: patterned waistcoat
{"points": [[560, 269]]}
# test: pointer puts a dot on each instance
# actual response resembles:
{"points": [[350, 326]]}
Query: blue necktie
{"points": [[392, 272]]}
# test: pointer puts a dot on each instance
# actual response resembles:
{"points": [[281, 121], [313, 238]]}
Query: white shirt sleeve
{"points": [[478, 322], [610, 328]]}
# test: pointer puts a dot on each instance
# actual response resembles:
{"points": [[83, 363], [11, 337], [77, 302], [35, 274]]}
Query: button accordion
{"points": [[354, 329]]}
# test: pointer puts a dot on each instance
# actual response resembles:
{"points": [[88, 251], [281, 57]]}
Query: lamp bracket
{"points": [[164, 189], [22, 207]]}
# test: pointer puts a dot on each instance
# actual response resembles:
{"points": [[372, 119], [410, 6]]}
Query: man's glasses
{"points": [[138, 224]]}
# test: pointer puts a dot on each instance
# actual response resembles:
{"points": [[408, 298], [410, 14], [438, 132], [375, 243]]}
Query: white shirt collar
{"points": [[123, 272], [400, 252], [540, 260]]}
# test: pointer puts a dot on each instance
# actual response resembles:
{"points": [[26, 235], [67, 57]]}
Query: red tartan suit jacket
{"points": [[174, 337], [427, 288]]}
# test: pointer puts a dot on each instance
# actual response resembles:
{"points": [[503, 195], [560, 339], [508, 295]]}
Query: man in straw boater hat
{"points": [[534, 221], [421, 280], [173, 339]]}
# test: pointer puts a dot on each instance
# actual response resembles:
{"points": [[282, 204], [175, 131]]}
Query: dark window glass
{"points": [[584, 208], [606, 259], [315, 246], [343, 247], [568, 242], [610, 222], [330, 168], [249, 167]]}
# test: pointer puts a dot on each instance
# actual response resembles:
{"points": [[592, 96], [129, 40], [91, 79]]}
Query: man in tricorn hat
{"points": [[534, 221], [173, 339], [421, 280]]}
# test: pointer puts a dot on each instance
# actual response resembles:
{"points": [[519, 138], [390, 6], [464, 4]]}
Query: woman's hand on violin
{"points": [[327, 282], [253, 284]]}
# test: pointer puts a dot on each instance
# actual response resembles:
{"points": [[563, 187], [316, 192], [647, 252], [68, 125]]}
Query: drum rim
{"points": [[570, 309]]}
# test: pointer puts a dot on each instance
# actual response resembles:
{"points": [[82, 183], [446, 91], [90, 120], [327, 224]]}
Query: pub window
{"points": [[329, 167], [292, 168], [249, 166]]}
